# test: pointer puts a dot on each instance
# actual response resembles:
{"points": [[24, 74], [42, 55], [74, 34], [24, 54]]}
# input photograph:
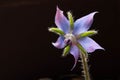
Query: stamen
{"points": [[68, 41]]}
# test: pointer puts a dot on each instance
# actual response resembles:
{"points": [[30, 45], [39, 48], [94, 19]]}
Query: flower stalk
{"points": [[84, 61], [85, 67]]}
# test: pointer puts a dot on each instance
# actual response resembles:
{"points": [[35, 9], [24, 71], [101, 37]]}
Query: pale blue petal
{"points": [[83, 24], [61, 21], [89, 44], [75, 52], [59, 43]]}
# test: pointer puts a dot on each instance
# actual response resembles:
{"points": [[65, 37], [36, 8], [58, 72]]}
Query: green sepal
{"points": [[87, 33], [66, 51], [56, 30], [71, 20], [82, 50]]}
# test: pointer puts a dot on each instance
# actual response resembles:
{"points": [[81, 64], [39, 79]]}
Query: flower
{"points": [[74, 36]]}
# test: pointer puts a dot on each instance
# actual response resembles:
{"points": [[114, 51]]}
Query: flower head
{"points": [[74, 36]]}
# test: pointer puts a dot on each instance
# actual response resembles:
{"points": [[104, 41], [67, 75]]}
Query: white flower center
{"points": [[70, 39]]}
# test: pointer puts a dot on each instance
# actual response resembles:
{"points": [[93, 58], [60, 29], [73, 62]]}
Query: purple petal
{"points": [[83, 24], [61, 21], [59, 43], [89, 44], [75, 52]]}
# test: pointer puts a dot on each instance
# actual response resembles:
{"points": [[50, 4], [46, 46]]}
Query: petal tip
{"points": [[59, 43], [53, 44], [92, 50], [91, 15], [58, 10], [102, 48], [56, 45], [75, 53], [94, 12]]}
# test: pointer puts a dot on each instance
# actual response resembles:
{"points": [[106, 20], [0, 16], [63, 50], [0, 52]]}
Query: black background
{"points": [[26, 52]]}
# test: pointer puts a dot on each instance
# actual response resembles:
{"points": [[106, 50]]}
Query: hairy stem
{"points": [[85, 66], [84, 58]]}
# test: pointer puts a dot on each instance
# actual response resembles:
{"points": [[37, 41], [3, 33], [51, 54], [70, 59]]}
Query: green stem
{"points": [[84, 57], [85, 66]]}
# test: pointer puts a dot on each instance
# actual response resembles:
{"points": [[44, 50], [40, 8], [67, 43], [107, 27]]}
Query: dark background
{"points": [[26, 52]]}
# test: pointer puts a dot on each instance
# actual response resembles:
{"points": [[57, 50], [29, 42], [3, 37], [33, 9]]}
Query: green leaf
{"points": [[82, 50], [66, 51], [71, 20], [87, 33], [56, 30]]}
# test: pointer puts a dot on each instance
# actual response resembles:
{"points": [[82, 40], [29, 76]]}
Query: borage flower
{"points": [[74, 36]]}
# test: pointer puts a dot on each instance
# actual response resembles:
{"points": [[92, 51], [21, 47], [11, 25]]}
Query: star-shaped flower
{"points": [[74, 36]]}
